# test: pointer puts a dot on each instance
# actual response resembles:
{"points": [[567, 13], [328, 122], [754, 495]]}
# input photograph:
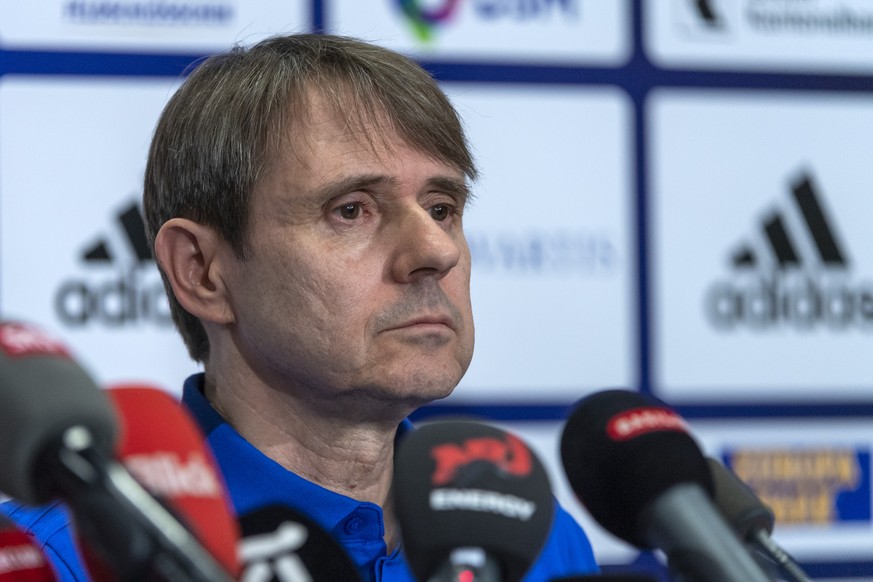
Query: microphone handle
{"points": [[129, 527], [684, 524], [789, 567]]}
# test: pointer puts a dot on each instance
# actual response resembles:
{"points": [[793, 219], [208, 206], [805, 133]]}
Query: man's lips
{"points": [[426, 321]]}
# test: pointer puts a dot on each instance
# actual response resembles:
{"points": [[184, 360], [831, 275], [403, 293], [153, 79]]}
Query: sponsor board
{"points": [[821, 464], [72, 252], [805, 486], [565, 31], [550, 235], [832, 36], [761, 275], [814, 474], [164, 25]]}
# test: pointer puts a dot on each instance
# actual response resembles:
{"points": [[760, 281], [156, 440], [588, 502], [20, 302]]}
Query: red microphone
{"points": [[21, 560], [163, 448]]}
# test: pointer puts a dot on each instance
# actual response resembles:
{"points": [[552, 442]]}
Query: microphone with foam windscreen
{"points": [[58, 442], [473, 502], [164, 450], [21, 559], [633, 464], [280, 543], [751, 519]]}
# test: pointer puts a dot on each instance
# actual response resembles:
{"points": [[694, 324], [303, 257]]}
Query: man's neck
{"points": [[317, 442]]}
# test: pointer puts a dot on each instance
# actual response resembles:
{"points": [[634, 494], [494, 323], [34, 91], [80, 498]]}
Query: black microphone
{"points": [[280, 543], [751, 519], [58, 440], [472, 501], [635, 467]]}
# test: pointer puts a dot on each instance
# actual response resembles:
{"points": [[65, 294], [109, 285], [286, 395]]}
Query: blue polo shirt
{"points": [[254, 480]]}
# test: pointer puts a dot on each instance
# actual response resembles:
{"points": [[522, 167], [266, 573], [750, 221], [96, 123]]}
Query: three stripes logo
{"points": [[708, 13], [797, 277], [705, 19], [122, 286]]}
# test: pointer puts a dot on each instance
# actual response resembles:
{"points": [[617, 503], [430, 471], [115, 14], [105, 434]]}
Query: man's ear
{"points": [[190, 255]]}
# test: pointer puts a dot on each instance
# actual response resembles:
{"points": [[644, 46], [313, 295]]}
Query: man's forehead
{"points": [[322, 122], [341, 117]]}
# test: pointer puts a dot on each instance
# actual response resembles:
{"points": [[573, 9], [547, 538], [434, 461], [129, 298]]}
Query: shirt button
{"points": [[353, 525]]}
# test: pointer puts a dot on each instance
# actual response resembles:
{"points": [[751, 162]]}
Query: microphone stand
{"points": [[130, 529]]}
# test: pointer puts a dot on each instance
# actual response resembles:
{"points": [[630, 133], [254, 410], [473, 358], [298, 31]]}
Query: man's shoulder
{"points": [[42, 520], [51, 526], [567, 550]]}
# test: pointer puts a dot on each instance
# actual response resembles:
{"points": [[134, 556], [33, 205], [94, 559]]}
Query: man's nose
{"points": [[423, 247]]}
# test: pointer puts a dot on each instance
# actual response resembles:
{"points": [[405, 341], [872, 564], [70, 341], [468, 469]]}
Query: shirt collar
{"points": [[254, 480]]}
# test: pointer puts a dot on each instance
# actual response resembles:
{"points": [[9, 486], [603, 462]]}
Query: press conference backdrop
{"points": [[676, 197]]}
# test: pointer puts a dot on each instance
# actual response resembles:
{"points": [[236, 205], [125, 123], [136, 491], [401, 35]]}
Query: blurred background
{"points": [[676, 198]]}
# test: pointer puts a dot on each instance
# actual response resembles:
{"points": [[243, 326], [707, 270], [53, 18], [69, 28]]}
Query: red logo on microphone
{"points": [[639, 421], [22, 339], [510, 455]]}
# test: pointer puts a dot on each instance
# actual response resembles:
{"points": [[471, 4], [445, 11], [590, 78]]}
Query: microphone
{"points": [[164, 450], [21, 560], [60, 430], [634, 466], [473, 503], [751, 519], [280, 543]]}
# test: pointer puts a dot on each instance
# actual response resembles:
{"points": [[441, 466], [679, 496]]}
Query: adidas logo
{"points": [[122, 287], [707, 13], [132, 224], [705, 19], [797, 276]]}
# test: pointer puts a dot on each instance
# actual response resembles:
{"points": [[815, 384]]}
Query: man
{"points": [[305, 199]]}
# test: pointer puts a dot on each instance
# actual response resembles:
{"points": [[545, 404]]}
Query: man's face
{"points": [[358, 275]]}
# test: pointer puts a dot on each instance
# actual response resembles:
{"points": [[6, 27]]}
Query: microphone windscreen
{"points": [[738, 504], [467, 484], [21, 559], [163, 449], [277, 538], [621, 450], [43, 392]]}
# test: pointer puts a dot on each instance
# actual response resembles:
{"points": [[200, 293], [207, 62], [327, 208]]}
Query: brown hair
{"points": [[220, 131]]}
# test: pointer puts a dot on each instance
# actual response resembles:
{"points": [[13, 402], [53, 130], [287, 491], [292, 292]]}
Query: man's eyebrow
{"points": [[348, 184], [457, 189], [454, 187]]}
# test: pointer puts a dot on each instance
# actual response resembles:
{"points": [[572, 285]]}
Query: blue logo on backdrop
{"points": [[553, 252], [152, 12]]}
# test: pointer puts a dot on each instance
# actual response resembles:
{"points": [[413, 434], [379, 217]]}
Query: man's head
{"points": [[226, 128]]}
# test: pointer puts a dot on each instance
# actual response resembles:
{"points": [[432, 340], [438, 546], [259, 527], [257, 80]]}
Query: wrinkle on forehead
{"points": [[361, 120]]}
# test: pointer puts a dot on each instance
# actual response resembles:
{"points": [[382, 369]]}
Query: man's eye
{"points": [[440, 212], [350, 211]]}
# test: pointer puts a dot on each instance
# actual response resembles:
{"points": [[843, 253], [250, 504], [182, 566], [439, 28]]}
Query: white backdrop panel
{"points": [[827, 36], [723, 165], [126, 25], [579, 31], [551, 236], [72, 156]]}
